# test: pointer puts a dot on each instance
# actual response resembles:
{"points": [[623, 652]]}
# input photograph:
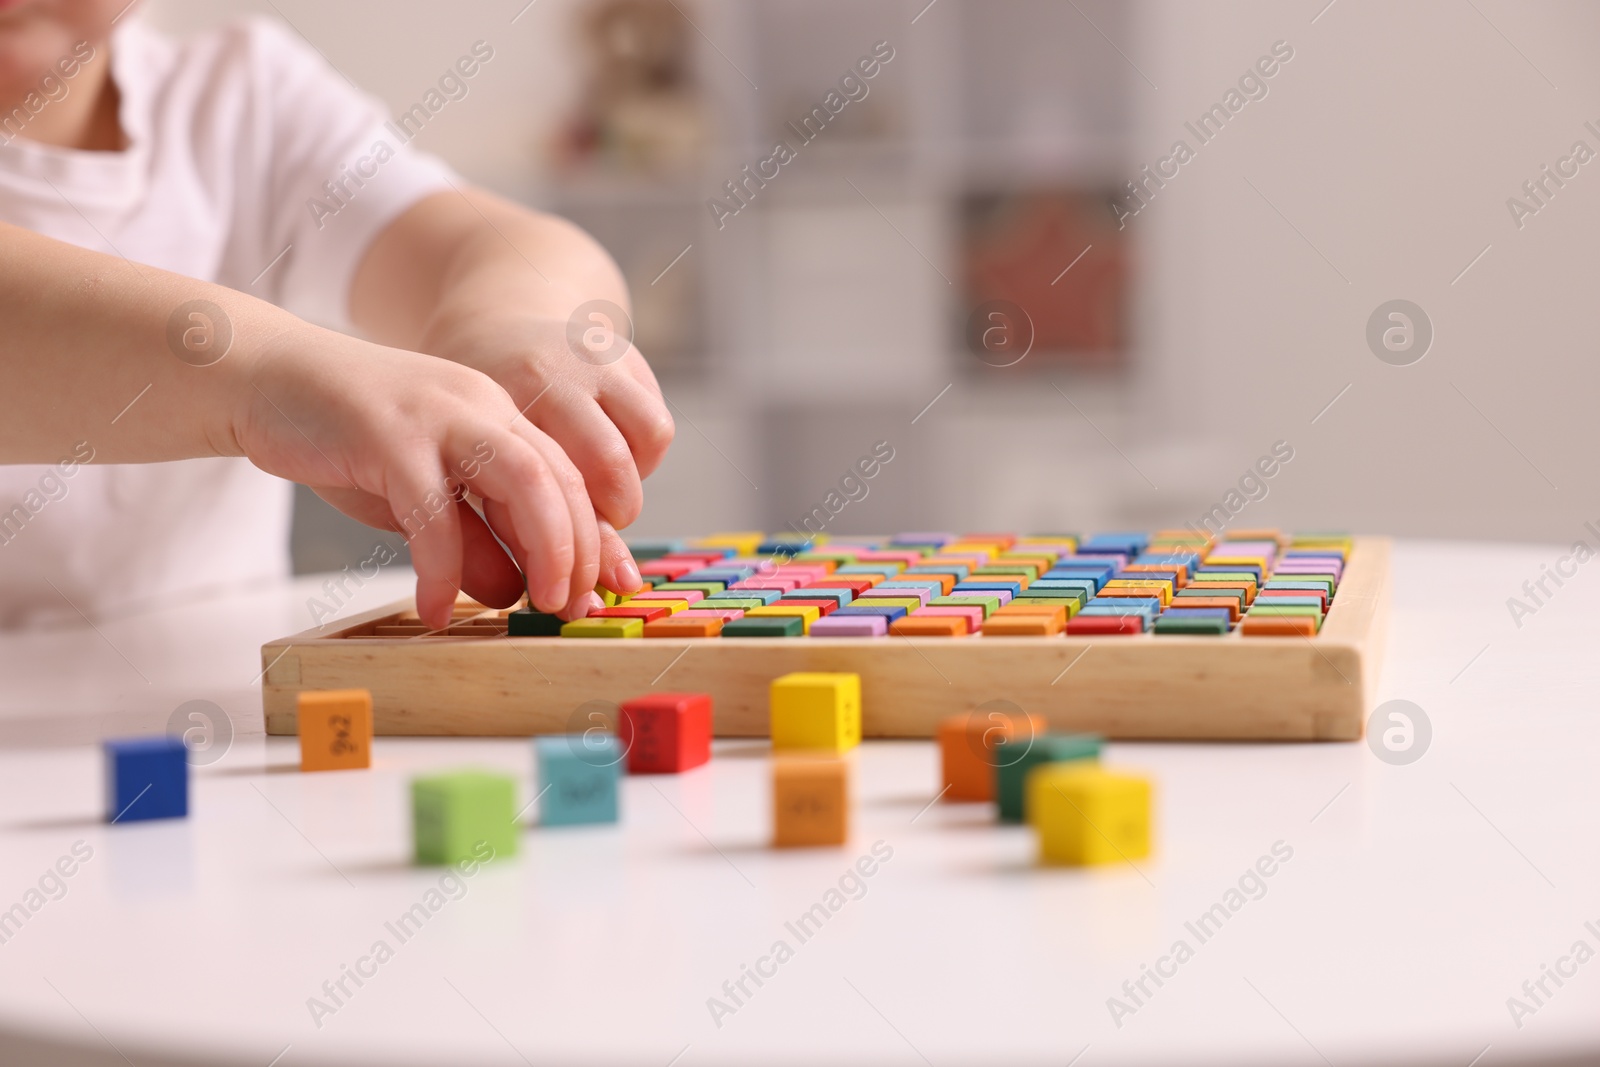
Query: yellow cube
{"points": [[743, 542], [1086, 814], [816, 711], [603, 627]]}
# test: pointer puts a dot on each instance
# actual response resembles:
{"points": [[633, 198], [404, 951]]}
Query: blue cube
{"points": [[146, 778], [578, 775]]}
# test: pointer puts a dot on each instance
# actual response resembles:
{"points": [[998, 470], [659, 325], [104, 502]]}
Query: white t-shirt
{"points": [[232, 136]]}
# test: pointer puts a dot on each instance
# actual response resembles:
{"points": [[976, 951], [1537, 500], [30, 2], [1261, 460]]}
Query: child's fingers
{"points": [[434, 537], [487, 573], [642, 417], [585, 558], [600, 453], [618, 572], [540, 529]]}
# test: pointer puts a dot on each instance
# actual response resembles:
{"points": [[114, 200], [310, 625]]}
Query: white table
{"points": [[1418, 899]]}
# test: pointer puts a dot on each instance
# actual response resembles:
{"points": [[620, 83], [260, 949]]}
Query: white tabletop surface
{"points": [[1418, 898]]}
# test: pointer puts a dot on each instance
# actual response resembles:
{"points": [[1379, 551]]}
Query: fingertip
{"points": [[627, 574], [435, 601]]}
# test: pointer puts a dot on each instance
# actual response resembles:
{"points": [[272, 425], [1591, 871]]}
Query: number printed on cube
{"points": [[335, 730], [666, 733]]}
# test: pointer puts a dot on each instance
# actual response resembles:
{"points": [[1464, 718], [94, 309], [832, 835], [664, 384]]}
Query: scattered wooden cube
{"points": [[1011, 776], [146, 778], [973, 744], [665, 733], [335, 730], [816, 711], [578, 776], [465, 815], [1085, 814], [810, 801]]}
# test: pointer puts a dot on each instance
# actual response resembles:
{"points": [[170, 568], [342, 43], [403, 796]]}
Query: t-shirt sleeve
{"points": [[325, 171]]}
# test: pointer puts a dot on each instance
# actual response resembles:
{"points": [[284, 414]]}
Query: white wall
{"points": [[1389, 144]]}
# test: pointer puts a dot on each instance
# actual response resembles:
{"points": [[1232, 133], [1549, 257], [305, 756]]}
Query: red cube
{"points": [[666, 733]]}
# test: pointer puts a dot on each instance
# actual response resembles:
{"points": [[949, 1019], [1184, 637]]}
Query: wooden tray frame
{"points": [[1147, 687]]}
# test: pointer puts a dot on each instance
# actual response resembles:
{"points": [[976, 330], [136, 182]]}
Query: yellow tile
{"points": [[743, 542], [910, 603], [820, 711], [1085, 814], [603, 628], [807, 614]]}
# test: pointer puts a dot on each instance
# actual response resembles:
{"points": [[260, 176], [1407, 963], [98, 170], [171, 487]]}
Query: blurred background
{"points": [[956, 262]]}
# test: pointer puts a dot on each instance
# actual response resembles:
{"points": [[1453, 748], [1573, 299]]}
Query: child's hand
{"points": [[394, 439], [601, 402]]}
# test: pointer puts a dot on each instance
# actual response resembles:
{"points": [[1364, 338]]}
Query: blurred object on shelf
{"points": [[1025, 247], [639, 112]]}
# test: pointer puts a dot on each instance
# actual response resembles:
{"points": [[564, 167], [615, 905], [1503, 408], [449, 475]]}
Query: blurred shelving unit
{"points": [[827, 312]]}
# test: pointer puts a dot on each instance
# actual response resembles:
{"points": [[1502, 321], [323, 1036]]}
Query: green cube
{"points": [[454, 816], [990, 604], [1173, 624], [1011, 770]]}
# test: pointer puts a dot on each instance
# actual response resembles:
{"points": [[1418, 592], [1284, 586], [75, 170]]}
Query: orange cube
{"points": [[335, 730], [1020, 624], [671, 627], [810, 801], [973, 744], [1278, 626]]}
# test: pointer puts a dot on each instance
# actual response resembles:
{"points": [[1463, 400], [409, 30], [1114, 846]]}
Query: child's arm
{"points": [[484, 282], [87, 354]]}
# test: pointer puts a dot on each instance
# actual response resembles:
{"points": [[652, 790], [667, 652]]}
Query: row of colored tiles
{"points": [[789, 544], [1078, 593]]}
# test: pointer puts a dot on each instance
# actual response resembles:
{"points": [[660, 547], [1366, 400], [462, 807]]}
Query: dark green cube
{"points": [[527, 623], [1203, 627], [1011, 772]]}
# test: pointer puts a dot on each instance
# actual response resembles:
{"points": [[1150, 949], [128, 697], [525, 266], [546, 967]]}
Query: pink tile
{"points": [[850, 626]]}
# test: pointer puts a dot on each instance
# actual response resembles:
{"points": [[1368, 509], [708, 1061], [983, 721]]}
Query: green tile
{"points": [[1011, 768], [1204, 627], [527, 623], [765, 626], [990, 604], [464, 815]]}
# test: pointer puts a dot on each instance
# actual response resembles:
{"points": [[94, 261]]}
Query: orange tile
{"points": [[929, 626], [670, 627], [1278, 626], [971, 745], [335, 730], [1018, 625], [810, 801]]}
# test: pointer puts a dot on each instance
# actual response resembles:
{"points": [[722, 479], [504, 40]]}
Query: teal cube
{"points": [[1011, 773], [578, 778], [464, 815]]}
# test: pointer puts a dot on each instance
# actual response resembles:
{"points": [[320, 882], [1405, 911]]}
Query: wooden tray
{"points": [[482, 683]]}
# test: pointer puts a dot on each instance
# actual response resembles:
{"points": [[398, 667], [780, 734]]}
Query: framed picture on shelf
{"points": [[1046, 277]]}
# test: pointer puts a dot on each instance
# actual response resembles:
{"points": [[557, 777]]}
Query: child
{"points": [[163, 209]]}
